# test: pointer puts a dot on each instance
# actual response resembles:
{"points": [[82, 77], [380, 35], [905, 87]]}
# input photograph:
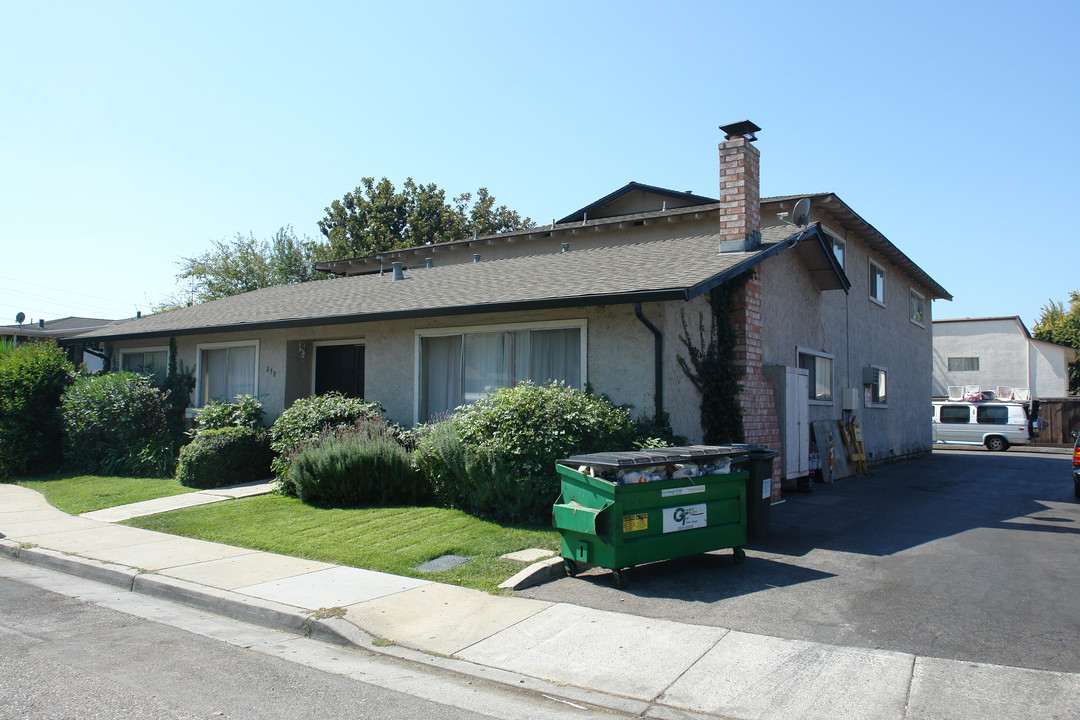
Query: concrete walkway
{"points": [[641, 666], [176, 502]]}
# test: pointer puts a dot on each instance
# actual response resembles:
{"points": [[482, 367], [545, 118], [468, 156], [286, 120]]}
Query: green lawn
{"points": [[76, 494], [393, 540]]}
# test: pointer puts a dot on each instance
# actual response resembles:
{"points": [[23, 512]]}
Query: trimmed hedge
{"points": [[243, 411], [348, 470], [224, 456], [32, 378]]}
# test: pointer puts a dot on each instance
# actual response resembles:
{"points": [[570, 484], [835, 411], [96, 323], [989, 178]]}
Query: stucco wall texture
{"points": [[858, 333]]}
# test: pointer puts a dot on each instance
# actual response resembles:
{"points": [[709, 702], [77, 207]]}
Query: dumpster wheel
{"points": [[738, 555], [570, 566], [620, 579]]}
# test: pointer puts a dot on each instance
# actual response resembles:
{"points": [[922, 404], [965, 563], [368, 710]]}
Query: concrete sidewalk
{"points": [[184, 500], [641, 666]]}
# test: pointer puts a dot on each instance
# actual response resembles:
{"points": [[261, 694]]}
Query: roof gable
{"points": [[635, 197]]}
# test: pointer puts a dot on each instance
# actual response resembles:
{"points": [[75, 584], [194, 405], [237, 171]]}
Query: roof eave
{"points": [[659, 295]]}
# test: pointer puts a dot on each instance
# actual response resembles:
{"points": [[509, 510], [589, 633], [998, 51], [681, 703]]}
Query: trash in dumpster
{"points": [[676, 471]]}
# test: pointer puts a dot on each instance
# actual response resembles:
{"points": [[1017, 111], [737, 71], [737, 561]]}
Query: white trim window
{"points": [[456, 366], [877, 283], [917, 307], [874, 386], [152, 361], [820, 367], [226, 370]]}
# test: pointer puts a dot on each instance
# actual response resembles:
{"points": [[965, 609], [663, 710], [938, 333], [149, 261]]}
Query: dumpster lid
{"points": [[659, 456]]}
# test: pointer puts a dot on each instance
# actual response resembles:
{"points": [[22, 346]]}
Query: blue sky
{"points": [[135, 134]]}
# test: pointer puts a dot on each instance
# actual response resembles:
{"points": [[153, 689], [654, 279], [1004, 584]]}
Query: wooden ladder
{"points": [[851, 434]]}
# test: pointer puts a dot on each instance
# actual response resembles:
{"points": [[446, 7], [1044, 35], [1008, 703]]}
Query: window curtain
{"points": [[555, 355], [487, 364], [214, 365], [241, 372], [440, 375], [227, 372], [822, 378]]}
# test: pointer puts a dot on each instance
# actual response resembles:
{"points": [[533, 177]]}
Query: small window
{"points": [[917, 308], [874, 386], [146, 362], [226, 371], [963, 364], [955, 414], [992, 415], [820, 368], [877, 283], [839, 249]]}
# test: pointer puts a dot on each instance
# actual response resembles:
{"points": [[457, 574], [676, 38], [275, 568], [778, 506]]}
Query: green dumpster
{"points": [[618, 510]]}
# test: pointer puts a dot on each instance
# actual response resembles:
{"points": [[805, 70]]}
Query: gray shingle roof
{"points": [[676, 268]]}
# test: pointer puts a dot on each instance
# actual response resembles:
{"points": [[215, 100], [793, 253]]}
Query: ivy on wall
{"points": [[712, 368]]}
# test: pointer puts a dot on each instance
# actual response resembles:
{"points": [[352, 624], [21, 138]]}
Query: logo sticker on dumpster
{"points": [[684, 518], [633, 523], [691, 490]]}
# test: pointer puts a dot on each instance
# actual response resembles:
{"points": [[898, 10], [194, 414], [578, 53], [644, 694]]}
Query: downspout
{"points": [[658, 361]]}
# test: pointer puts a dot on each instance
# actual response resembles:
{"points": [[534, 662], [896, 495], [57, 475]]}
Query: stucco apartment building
{"points": [[835, 315], [994, 352]]}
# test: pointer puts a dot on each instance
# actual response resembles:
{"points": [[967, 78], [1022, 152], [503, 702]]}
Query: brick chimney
{"points": [[740, 230], [740, 193]]}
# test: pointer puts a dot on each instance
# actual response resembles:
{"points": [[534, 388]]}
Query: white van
{"points": [[995, 424]]}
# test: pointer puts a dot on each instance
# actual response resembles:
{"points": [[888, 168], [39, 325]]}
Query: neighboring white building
{"points": [[998, 351]]}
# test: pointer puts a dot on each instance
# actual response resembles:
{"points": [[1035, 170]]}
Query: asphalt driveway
{"points": [[966, 555]]}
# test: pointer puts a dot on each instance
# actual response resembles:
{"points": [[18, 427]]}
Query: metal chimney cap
{"points": [[743, 128]]}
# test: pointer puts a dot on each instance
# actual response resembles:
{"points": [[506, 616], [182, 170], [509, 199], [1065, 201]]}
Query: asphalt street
{"points": [[966, 555], [73, 648]]}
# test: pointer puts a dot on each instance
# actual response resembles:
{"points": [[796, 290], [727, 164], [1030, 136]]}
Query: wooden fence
{"points": [[1063, 418]]}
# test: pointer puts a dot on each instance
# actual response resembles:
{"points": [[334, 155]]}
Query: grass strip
{"points": [[77, 494], [393, 540]]}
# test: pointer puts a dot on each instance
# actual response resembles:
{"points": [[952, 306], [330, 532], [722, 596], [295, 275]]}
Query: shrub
{"points": [[178, 385], [496, 458], [309, 418], [353, 467], [117, 423], [32, 378], [243, 411], [224, 456]]}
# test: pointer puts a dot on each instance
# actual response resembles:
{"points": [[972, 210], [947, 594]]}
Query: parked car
{"points": [[1076, 464], [995, 424]]}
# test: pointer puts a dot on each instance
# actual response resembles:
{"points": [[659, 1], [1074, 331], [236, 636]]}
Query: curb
{"points": [[538, 573], [337, 631]]}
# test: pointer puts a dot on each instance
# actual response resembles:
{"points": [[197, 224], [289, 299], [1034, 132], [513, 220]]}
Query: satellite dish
{"points": [[801, 214], [20, 317]]}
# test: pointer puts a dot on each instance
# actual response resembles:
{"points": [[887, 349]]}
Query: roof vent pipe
{"points": [[476, 258], [41, 323], [138, 313], [566, 247], [428, 262], [398, 273]]}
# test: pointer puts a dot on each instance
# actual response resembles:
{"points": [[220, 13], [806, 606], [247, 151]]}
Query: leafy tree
{"points": [[1059, 325], [377, 217], [244, 263]]}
